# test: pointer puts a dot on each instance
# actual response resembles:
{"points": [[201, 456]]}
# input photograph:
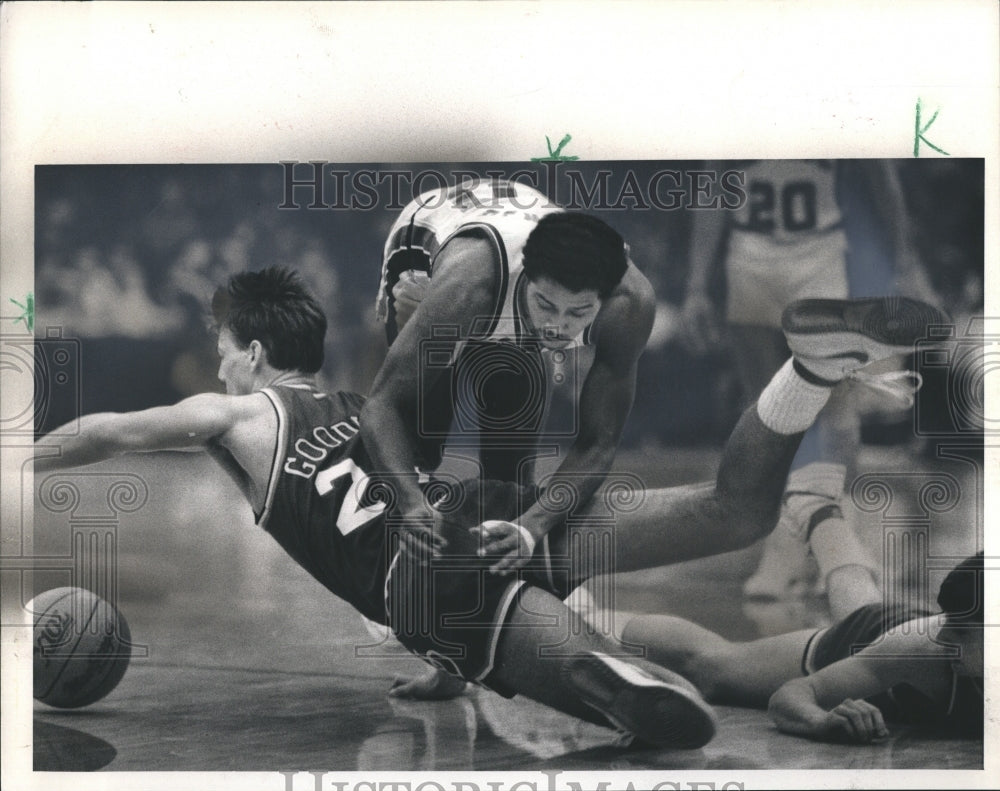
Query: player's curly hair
{"points": [[960, 596], [576, 250], [273, 306]]}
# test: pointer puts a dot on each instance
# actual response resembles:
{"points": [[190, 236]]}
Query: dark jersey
{"points": [[319, 504], [963, 713]]}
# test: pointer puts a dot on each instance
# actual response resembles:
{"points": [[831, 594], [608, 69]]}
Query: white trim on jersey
{"points": [[385, 588], [279, 452], [500, 301]]}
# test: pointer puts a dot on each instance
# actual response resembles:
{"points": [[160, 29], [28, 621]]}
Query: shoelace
{"points": [[902, 385]]}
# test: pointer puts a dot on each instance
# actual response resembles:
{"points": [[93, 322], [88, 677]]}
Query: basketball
{"points": [[81, 647]]}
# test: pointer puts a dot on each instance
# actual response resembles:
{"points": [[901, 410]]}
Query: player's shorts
{"points": [[759, 287], [450, 610]]}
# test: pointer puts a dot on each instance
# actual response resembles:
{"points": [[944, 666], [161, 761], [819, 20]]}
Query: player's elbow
{"points": [[793, 709], [372, 413], [786, 699], [383, 409]]}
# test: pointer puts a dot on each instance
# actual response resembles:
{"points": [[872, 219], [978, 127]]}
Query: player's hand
{"points": [[699, 332], [513, 542], [408, 293], [418, 536], [856, 721], [432, 685]]}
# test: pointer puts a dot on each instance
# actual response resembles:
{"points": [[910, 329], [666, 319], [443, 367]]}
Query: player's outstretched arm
{"points": [[830, 704], [193, 422]]}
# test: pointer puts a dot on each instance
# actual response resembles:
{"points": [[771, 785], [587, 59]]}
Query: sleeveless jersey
{"points": [[791, 208], [319, 505], [503, 213]]}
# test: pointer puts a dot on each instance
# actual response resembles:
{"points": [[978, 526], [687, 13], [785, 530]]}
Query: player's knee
{"points": [[710, 674], [747, 522]]}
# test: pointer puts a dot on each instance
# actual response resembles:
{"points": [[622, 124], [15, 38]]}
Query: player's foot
{"points": [[649, 702], [433, 685], [831, 338]]}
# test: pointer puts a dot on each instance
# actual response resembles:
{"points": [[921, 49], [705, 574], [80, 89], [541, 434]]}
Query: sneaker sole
{"points": [[657, 712], [865, 329]]}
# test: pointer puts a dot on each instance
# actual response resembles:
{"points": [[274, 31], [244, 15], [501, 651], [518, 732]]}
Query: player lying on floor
{"points": [[842, 683], [441, 579]]}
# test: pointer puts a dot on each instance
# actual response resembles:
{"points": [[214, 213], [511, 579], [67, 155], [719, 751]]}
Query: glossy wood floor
{"points": [[245, 664]]}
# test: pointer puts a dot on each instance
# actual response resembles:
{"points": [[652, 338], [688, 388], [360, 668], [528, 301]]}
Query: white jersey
{"points": [[501, 212], [786, 242], [791, 207]]}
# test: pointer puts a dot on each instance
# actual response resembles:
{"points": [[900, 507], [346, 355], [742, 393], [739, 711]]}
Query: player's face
{"points": [[557, 315], [235, 370]]}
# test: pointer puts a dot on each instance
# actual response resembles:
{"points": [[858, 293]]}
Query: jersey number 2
{"points": [[352, 514]]}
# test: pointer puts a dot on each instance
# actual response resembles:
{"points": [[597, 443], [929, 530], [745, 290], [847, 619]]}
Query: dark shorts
{"points": [[450, 610]]}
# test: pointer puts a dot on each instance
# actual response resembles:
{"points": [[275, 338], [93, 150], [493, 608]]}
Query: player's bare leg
{"points": [[586, 674], [725, 672], [814, 518], [846, 566], [758, 354], [830, 339], [433, 684]]}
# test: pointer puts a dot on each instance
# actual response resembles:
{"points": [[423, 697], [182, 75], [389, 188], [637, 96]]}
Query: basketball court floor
{"points": [[243, 663]]}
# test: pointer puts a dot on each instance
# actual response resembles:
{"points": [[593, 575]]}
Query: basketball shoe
{"points": [[651, 705], [830, 339]]}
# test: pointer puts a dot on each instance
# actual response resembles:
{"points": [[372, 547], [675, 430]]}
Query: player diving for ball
{"points": [[490, 293], [902, 664], [433, 574]]}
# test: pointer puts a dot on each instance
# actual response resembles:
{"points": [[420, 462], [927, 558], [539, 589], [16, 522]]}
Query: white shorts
{"points": [[759, 287]]}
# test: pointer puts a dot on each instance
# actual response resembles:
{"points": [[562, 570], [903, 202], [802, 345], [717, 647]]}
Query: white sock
{"points": [[790, 404]]}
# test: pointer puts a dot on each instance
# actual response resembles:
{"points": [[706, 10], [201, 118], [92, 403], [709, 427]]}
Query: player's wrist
{"points": [[528, 538]]}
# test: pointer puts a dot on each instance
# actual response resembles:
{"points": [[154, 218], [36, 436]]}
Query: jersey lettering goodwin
{"points": [[314, 448]]}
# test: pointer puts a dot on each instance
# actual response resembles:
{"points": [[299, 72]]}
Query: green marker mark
{"points": [[557, 155], [918, 134], [28, 316]]}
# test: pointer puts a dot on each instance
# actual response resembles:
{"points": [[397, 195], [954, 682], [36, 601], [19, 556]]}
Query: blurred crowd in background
{"points": [[127, 258]]}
